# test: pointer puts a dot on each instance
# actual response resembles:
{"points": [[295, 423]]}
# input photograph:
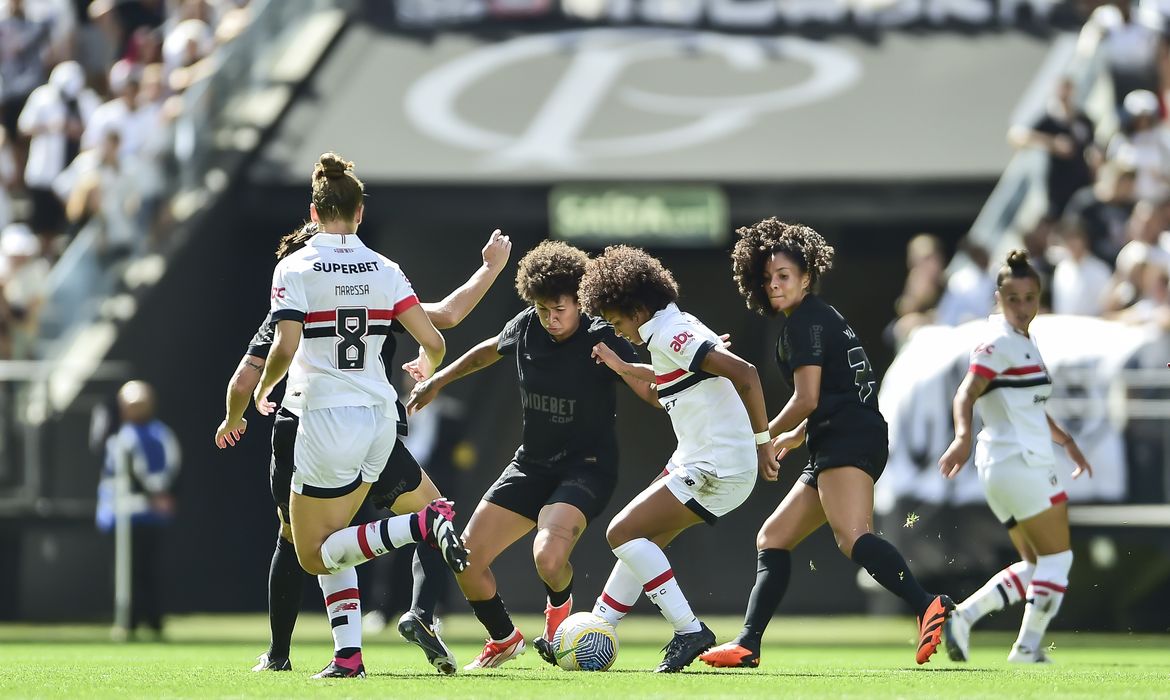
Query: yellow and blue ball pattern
{"points": [[585, 642]]}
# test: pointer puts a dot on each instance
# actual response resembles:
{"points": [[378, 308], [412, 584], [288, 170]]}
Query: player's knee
{"points": [[550, 561], [618, 533], [846, 538], [310, 560], [286, 532]]}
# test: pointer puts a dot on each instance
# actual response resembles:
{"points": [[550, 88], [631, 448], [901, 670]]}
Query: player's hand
{"points": [[726, 338], [602, 353], [766, 461], [420, 368], [228, 434], [495, 252], [1074, 453], [952, 461], [422, 394], [1063, 146], [260, 398]]}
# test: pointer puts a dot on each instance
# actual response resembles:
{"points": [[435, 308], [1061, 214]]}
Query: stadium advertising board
{"points": [[675, 216]]}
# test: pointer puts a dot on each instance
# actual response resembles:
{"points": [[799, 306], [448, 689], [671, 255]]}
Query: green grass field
{"points": [[209, 656]]}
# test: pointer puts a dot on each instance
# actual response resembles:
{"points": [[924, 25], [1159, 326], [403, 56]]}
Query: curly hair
{"points": [[1017, 266], [294, 241], [549, 271], [758, 242], [337, 192], [625, 279]]}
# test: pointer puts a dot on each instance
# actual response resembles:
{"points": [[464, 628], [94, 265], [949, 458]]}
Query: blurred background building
{"points": [[153, 151]]}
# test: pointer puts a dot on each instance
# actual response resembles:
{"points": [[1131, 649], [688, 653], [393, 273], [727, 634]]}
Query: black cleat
{"points": [[437, 529], [269, 663], [545, 649], [685, 648], [333, 670], [414, 630]]}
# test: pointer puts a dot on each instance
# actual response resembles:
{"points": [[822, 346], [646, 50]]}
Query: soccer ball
{"points": [[585, 642]]}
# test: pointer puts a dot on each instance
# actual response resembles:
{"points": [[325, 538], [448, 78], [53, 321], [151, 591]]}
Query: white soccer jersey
{"points": [[1012, 407], [347, 296], [709, 419]]}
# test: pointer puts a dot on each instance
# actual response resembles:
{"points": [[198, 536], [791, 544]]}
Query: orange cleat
{"points": [[553, 617], [731, 655], [930, 627]]}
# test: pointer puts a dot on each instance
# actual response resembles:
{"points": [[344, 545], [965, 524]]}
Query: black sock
{"points": [[493, 616], [347, 652], [430, 577], [558, 598], [415, 530], [773, 570], [883, 561], [286, 582]]}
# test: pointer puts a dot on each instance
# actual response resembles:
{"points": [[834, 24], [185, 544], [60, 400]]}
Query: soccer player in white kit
{"points": [[1009, 383], [333, 302], [716, 403]]}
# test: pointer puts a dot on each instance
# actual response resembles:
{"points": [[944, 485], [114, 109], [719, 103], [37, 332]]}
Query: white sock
{"points": [[651, 567], [619, 595], [1045, 595], [344, 608], [361, 543], [1004, 589]]}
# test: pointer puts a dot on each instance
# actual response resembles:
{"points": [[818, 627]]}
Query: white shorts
{"points": [[1017, 490], [708, 495], [338, 448]]}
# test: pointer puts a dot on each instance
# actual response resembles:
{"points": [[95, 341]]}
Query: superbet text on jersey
{"points": [[346, 295]]}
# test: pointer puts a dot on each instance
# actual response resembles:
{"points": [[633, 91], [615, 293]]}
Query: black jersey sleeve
{"points": [[509, 337], [803, 333], [261, 343], [602, 332]]}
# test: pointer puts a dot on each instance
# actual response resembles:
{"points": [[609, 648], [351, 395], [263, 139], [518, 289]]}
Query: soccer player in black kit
{"points": [[834, 403], [565, 470], [402, 487]]}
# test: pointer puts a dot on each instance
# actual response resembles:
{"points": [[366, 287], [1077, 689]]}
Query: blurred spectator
{"points": [[1135, 50], [1066, 134], [925, 263], [1080, 280], [23, 45], [103, 190], [55, 119], [147, 450], [22, 274], [1153, 299], [126, 21], [1145, 136], [970, 290], [120, 113], [1103, 208], [9, 178]]}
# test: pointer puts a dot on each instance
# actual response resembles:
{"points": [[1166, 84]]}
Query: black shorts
{"points": [[402, 473], [48, 213], [524, 488], [849, 438]]}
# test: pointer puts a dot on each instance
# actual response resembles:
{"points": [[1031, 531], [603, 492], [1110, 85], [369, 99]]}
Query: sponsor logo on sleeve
{"points": [[278, 292], [680, 341]]}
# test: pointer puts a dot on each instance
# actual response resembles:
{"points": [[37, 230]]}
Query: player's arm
{"points": [[239, 392], [806, 380], [963, 412], [746, 380], [1065, 439], [284, 346], [628, 370], [449, 312], [647, 391], [419, 325], [482, 355]]}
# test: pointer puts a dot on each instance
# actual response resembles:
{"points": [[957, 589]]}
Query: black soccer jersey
{"points": [[569, 399], [817, 334]]}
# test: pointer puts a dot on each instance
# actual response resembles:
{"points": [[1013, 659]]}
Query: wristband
{"points": [[763, 438]]}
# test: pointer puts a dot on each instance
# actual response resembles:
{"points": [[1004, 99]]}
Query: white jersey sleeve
{"points": [[989, 362], [289, 302]]}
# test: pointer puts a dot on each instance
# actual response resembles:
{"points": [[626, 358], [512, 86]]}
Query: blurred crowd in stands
{"points": [[1103, 239], [88, 89]]}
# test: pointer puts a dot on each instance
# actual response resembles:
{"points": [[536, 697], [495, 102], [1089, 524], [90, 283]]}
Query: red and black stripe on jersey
{"points": [[323, 324], [1013, 377]]}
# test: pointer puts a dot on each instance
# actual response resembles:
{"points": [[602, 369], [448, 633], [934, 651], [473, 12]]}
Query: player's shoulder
{"points": [[298, 260]]}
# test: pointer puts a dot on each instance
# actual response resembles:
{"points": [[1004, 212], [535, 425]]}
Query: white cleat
{"points": [[957, 636], [1023, 655]]}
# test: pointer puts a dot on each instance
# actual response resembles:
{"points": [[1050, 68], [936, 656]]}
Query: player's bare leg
{"points": [[797, 517], [491, 530]]}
